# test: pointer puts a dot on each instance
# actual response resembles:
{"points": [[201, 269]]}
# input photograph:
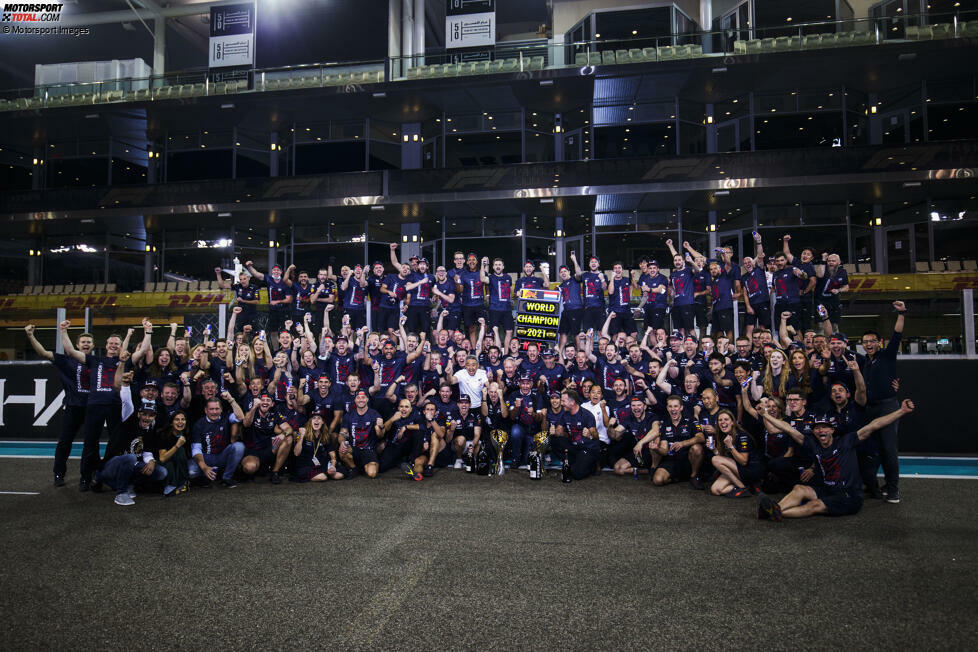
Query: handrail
{"points": [[710, 43]]}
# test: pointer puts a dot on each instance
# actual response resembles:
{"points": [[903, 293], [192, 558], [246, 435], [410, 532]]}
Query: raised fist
{"points": [[669, 242], [236, 310], [218, 270], [907, 405], [248, 263], [29, 329], [786, 237], [482, 321], [393, 246], [899, 305]]}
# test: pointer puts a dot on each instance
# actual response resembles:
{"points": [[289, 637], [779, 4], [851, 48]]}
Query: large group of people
{"points": [[408, 370]]}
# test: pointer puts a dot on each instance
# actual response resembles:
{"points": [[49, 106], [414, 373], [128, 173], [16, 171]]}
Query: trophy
{"points": [[541, 441], [500, 437]]}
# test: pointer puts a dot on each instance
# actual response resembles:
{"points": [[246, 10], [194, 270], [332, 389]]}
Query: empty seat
{"points": [[844, 39], [594, 59], [183, 286], [830, 40], [969, 28], [150, 287], [197, 89], [511, 65], [937, 266], [608, 57], [88, 288], [309, 81], [536, 63], [794, 42], [142, 94], [695, 50], [635, 55], [113, 96], [849, 267], [217, 88], [682, 51], [921, 267], [811, 41], [480, 67], [942, 30], [110, 287], [58, 289], [782, 43], [496, 66], [650, 54], [864, 268], [863, 38], [171, 286], [767, 45], [740, 47], [430, 71], [580, 59], [969, 265], [954, 265], [666, 53], [413, 72], [753, 46], [99, 287]]}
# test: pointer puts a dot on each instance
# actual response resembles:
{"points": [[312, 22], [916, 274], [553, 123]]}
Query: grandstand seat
{"points": [[666, 53], [782, 43], [849, 267], [309, 81], [272, 84], [183, 286], [695, 51], [622, 56], [237, 86], [198, 89], [414, 72], [794, 42], [99, 288], [864, 268], [921, 267], [863, 38], [88, 288], [938, 266], [830, 40], [608, 57], [594, 59], [636, 55], [954, 265], [150, 287], [580, 59], [171, 286], [753, 46], [809, 41], [969, 28], [682, 51], [740, 47], [767, 45], [481, 67], [969, 265], [942, 30], [112, 96], [511, 65], [845, 38], [217, 88], [58, 289], [110, 287]]}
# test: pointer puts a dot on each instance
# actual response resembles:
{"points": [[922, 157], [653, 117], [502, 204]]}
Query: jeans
{"points": [[228, 459], [889, 456], [123, 470], [73, 419], [519, 443]]}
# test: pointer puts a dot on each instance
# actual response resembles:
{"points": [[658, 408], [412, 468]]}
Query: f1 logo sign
{"points": [[38, 399]]}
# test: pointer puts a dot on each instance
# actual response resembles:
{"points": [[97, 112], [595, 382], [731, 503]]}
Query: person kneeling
{"points": [[838, 490], [581, 433], [737, 459]]}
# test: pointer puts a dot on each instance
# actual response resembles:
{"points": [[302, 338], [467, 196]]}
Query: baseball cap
{"points": [[547, 353], [826, 419], [377, 262], [527, 377], [654, 262], [690, 337], [342, 337], [675, 335], [594, 258], [148, 406], [413, 258], [361, 391], [423, 260], [564, 267], [151, 383], [838, 336], [464, 398]]}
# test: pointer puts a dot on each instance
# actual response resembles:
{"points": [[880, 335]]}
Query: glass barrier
{"points": [[508, 58]]}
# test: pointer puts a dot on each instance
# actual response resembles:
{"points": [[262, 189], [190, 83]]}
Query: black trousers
{"points": [[785, 474], [97, 416], [583, 462], [72, 420]]}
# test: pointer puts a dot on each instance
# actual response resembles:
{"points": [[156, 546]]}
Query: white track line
{"points": [[20, 493]]}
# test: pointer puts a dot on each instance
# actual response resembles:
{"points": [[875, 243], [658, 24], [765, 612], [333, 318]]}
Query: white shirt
{"points": [[471, 385], [596, 410]]}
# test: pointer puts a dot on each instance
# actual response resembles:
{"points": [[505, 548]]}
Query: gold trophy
{"points": [[541, 441], [500, 437]]}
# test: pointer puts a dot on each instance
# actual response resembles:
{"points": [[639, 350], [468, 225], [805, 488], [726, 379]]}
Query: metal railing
{"points": [[504, 58]]}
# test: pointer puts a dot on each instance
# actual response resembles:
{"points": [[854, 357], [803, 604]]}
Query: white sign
{"points": [[470, 30], [234, 50]]}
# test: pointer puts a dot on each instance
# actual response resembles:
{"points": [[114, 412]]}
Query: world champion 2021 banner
{"points": [[538, 316]]}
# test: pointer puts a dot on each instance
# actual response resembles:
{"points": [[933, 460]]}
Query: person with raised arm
{"points": [[279, 295]]}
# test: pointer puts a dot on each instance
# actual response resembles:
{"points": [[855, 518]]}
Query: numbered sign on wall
{"points": [[470, 23], [232, 41]]}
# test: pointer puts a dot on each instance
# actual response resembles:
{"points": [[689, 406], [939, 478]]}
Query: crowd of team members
{"points": [[317, 395]]}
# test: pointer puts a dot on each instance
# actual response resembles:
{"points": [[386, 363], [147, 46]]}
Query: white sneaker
{"points": [[459, 464], [524, 467], [124, 498], [131, 490]]}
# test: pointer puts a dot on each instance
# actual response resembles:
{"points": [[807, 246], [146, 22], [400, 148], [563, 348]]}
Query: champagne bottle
{"points": [[534, 466], [468, 460], [565, 471]]}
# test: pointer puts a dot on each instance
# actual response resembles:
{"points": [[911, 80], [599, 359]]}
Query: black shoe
{"points": [[96, 486], [893, 497], [84, 485], [696, 483], [428, 471], [767, 509], [874, 492], [276, 478], [59, 481], [228, 484]]}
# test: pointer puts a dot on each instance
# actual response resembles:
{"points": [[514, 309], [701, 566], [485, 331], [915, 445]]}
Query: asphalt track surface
{"points": [[465, 562]]}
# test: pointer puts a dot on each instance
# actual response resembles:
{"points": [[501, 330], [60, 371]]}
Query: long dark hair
{"points": [[737, 430]]}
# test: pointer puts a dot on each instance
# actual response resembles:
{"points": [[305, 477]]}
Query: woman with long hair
{"points": [[172, 441], [310, 451], [737, 459], [802, 376], [163, 369], [774, 380]]}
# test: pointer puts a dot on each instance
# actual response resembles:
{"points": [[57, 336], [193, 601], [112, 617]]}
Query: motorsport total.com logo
{"points": [[20, 12]]}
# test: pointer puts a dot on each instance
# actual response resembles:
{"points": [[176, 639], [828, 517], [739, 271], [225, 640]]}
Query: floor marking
{"points": [[21, 493]]}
